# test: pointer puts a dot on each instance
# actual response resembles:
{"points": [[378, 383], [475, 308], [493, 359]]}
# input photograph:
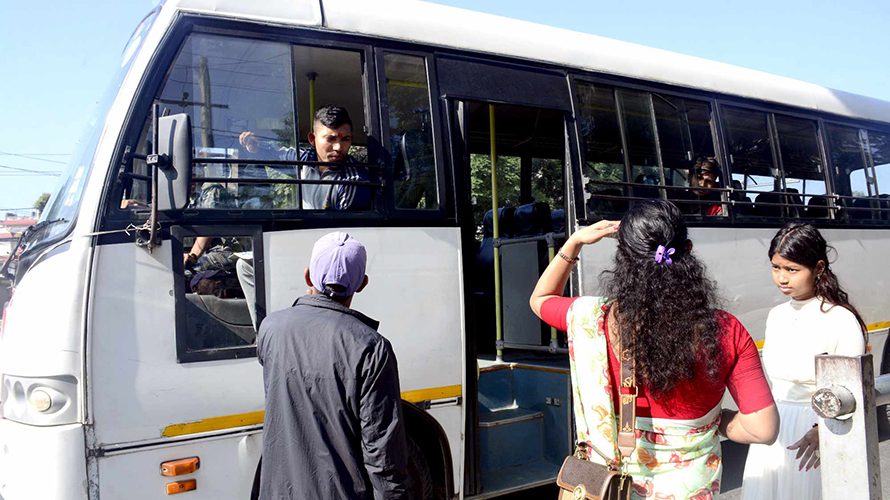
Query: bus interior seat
{"points": [[558, 220], [861, 204], [602, 206], [650, 190], [532, 219], [817, 207], [884, 203], [740, 196], [788, 197], [217, 322]]}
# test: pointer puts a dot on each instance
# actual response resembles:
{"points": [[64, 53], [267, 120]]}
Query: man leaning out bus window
{"points": [[331, 138], [333, 425]]}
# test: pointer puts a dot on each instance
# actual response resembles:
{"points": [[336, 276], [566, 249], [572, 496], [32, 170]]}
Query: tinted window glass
{"points": [[750, 153], [410, 132], [603, 151], [879, 146], [220, 298], [640, 136], [684, 135], [846, 156], [802, 166]]}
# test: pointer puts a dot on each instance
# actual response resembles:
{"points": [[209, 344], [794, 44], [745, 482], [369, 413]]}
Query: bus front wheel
{"points": [[419, 471]]}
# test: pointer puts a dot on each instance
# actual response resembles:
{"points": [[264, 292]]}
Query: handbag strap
{"points": [[627, 395]]}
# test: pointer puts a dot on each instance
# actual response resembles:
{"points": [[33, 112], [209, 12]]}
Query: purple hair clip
{"points": [[663, 254]]}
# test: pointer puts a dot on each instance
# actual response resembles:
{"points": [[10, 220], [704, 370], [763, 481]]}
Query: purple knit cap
{"points": [[337, 259]]}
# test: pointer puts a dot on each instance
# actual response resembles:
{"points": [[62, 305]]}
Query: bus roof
{"points": [[451, 27]]}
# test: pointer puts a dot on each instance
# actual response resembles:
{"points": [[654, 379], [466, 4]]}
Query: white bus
{"points": [[128, 374]]}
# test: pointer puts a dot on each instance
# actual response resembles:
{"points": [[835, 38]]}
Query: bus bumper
{"points": [[42, 462]]}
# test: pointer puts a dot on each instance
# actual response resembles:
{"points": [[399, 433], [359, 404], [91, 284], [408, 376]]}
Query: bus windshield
{"points": [[63, 205]]}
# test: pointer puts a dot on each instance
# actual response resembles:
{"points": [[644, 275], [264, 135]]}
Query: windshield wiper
{"points": [[22, 245]]}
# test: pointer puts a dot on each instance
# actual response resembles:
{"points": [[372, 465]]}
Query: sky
{"points": [[57, 58]]}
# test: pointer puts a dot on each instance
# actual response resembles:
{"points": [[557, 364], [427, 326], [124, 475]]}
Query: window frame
{"points": [[183, 353], [443, 189]]}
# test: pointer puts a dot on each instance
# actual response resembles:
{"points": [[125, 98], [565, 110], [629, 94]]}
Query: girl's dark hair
{"points": [[667, 314], [803, 243]]}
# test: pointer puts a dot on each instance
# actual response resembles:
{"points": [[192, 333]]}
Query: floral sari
{"points": [[673, 459]]}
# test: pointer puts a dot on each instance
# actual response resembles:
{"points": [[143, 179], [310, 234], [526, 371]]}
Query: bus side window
{"points": [[640, 137], [603, 151], [879, 146], [802, 167], [684, 135], [219, 293], [846, 148], [234, 89], [410, 132], [750, 151]]}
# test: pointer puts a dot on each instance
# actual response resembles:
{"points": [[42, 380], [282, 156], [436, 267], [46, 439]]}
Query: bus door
{"points": [[511, 155]]}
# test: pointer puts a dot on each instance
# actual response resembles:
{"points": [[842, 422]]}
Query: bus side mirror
{"points": [[173, 161]]}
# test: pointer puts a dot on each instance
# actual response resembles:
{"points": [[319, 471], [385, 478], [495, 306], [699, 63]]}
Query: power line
{"points": [[34, 157], [29, 171]]}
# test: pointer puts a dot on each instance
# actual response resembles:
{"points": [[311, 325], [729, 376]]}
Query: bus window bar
{"points": [[658, 186], [264, 181], [532, 347], [295, 163], [548, 237], [673, 200]]}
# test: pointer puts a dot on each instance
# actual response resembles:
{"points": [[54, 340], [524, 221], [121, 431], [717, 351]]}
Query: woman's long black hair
{"points": [[666, 313], [803, 244]]}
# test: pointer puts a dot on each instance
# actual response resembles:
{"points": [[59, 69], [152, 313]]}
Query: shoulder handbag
{"points": [[581, 479]]}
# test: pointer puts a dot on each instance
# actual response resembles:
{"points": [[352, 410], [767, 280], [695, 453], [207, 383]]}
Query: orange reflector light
{"points": [[181, 486], [180, 467]]}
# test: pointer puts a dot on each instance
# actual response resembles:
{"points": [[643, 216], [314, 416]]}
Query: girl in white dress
{"points": [[818, 319]]}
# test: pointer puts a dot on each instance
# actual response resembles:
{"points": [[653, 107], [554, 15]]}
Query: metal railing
{"points": [[846, 403]]}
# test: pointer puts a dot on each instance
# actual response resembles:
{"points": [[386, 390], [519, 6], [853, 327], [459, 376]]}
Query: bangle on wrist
{"points": [[570, 260]]}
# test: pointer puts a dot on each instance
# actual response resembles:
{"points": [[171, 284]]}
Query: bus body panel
{"points": [[42, 462], [135, 474], [46, 316], [139, 390]]}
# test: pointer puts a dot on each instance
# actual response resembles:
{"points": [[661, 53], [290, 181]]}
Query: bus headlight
{"points": [[40, 400]]}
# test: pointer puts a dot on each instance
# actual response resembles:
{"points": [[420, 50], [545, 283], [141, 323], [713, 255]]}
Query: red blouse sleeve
{"points": [[746, 383], [554, 311]]}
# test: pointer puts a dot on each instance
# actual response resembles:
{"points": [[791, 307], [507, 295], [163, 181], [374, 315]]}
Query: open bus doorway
{"points": [[515, 220]]}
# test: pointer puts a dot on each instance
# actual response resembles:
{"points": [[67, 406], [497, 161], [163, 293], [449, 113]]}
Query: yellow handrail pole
{"points": [[311, 75], [495, 229], [551, 254]]}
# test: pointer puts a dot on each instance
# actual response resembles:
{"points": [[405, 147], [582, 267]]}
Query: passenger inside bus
{"points": [[702, 197], [331, 139]]}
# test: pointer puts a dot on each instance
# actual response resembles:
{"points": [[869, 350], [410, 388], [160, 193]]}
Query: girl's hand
{"points": [[593, 233], [808, 448]]}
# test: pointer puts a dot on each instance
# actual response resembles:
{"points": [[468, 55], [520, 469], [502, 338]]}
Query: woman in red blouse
{"points": [[662, 307]]}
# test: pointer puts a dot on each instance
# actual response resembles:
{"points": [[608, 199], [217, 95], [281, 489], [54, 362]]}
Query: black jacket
{"points": [[333, 425]]}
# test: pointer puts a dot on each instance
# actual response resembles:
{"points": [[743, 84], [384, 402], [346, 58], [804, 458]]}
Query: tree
{"points": [[41, 202]]}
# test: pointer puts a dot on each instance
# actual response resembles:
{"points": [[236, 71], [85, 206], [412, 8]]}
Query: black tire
{"points": [[419, 472], [255, 492]]}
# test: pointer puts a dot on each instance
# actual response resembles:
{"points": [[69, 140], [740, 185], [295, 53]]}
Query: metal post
{"points": [[495, 229], [551, 254], [848, 434], [311, 76]]}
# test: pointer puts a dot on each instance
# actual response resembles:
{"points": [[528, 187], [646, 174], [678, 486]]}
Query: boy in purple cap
{"points": [[333, 424]]}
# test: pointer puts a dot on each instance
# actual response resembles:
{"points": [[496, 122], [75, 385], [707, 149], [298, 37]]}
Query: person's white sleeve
{"points": [[850, 341]]}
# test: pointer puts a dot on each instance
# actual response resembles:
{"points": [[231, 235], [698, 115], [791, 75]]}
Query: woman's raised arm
{"points": [[553, 281]]}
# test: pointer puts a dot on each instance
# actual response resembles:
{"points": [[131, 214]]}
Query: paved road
{"points": [[733, 466]]}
